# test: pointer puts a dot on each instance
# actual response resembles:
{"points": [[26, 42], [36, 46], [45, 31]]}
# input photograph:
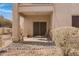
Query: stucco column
{"points": [[52, 24], [16, 24], [51, 27], [53, 18]]}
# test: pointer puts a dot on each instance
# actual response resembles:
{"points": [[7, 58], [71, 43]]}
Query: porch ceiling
{"points": [[36, 13], [34, 8]]}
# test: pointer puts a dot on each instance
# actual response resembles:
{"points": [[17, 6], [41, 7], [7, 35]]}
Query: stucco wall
{"points": [[63, 14], [75, 9], [28, 22], [22, 24]]}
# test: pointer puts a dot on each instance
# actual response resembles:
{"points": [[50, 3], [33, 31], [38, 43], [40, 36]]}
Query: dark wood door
{"points": [[39, 28], [75, 21], [35, 28], [42, 28]]}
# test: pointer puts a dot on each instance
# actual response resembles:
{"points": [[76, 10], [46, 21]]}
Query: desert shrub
{"points": [[5, 22], [66, 38], [5, 30], [0, 42], [1, 30]]}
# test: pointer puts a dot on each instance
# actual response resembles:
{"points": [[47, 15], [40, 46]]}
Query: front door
{"points": [[39, 28]]}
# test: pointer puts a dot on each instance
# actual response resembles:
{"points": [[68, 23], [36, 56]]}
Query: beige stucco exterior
{"points": [[28, 23], [56, 15]]}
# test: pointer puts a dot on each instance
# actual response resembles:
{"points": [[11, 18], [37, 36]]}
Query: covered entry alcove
{"points": [[36, 25], [33, 19]]}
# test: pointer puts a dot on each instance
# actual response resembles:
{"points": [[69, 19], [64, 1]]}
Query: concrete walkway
{"points": [[28, 47], [32, 43]]}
